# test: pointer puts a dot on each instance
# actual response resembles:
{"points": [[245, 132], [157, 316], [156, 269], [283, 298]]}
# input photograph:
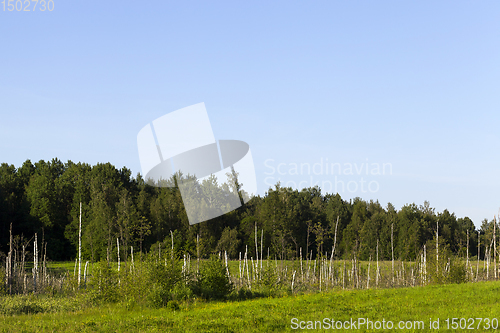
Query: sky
{"points": [[384, 100]]}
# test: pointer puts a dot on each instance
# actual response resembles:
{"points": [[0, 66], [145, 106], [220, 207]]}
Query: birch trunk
{"points": [[80, 245]]}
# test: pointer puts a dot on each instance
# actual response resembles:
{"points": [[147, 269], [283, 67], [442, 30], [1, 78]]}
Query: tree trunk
{"points": [[80, 246]]}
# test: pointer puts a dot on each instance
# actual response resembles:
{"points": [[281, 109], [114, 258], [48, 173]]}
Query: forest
{"points": [[44, 198]]}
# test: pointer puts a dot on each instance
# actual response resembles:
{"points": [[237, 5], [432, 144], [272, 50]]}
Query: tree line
{"points": [[44, 198]]}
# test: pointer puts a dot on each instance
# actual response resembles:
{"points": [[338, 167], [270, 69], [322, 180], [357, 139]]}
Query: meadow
{"points": [[412, 306], [174, 294]]}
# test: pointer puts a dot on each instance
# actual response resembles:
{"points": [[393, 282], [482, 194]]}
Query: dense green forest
{"points": [[44, 198]]}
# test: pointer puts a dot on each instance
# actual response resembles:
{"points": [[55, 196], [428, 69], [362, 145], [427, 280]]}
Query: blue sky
{"points": [[415, 85]]}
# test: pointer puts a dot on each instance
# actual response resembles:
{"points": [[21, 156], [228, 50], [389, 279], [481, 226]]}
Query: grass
{"points": [[473, 300]]}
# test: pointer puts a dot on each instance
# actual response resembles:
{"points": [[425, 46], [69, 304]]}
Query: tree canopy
{"points": [[44, 198]]}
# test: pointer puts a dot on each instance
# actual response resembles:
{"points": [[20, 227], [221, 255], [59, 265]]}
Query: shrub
{"points": [[456, 273], [166, 274], [269, 280], [181, 292], [3, 287], [212, 280], [105, 283], [133, 286], [165, 279], [449, 269], [437, 270], [173, 305], [158, 296]]}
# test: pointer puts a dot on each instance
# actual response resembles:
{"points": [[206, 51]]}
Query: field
{"points": [[314, 292], [472, 300]]}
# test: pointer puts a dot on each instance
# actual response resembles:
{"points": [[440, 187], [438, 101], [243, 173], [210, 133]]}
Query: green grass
{"points": [[477, 300]]}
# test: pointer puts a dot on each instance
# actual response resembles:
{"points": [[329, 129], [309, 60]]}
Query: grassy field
{"points": [[410, 305]]}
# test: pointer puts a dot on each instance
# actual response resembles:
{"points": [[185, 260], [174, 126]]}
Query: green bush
{"points": [[165, 281], [3, 289], [456, 273], [449, 269], [132, 286], [166, 274], [153, 282], [173, 305], [269, 281], [181, 292], [105, 283], [212, 280], [158, 296]]}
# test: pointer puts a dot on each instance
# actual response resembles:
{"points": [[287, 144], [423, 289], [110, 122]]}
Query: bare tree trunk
{"points": [[44, 263], [495, 245], [239, 268], [301, 268], [80, 246], [85, 274], [172, 237], [245, 263], [343, 277], [225, 259], [9, 263], [132, 258], [437, 247], [22, 266], [392, 249], [261, 246], [425, 265], [118, 252], [488, 256], [376, 274], [35, 263], [198, 252], [335, 237], [467, 260], [368, 277], [478, 251], [256, 247]]}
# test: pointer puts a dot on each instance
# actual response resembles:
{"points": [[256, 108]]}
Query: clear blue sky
{"points": [[415, 85]]}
